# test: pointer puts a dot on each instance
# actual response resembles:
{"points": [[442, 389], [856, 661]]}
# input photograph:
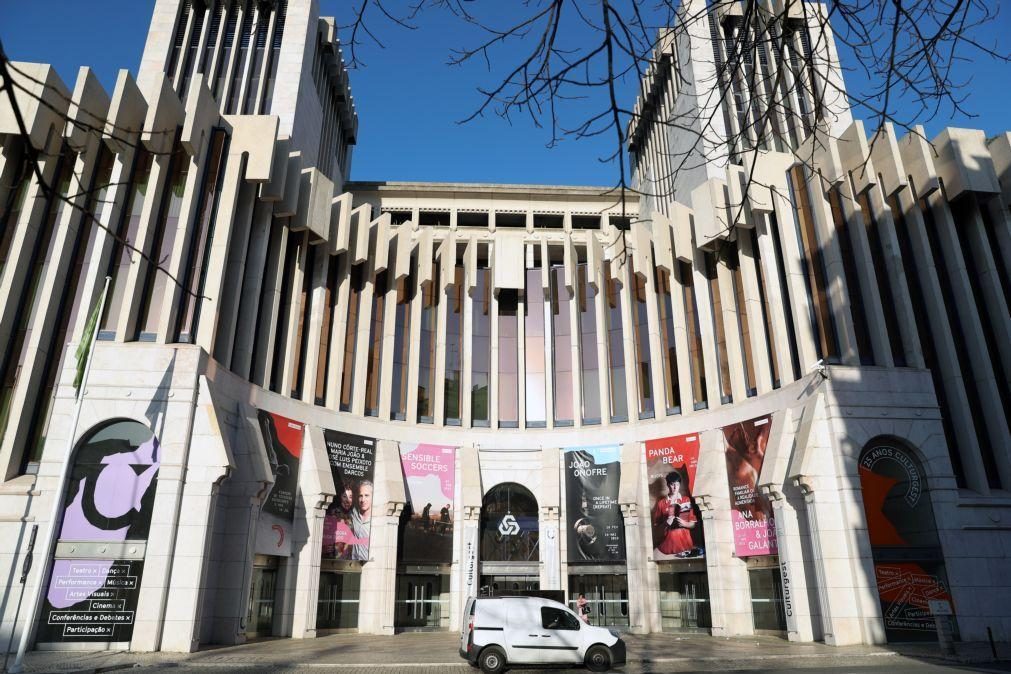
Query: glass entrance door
{"points": [[422, 602], [260, 618], [337, 607], [606, 596], [498, 585], [767, 599], [684, 602]]}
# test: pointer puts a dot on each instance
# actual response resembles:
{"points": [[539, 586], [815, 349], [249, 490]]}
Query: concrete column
{"points": [[638, 585], [262, 362], [752, 300], [550, 504], [774, 295], [732, 331], [379, 574], [254, 279], [729, 587], [802, 620]]}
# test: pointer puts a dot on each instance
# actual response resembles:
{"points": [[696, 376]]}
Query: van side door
{"points": [[560, 637]]}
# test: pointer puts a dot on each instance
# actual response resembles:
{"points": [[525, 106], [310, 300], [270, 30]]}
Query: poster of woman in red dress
{"points": [[671, 465]]}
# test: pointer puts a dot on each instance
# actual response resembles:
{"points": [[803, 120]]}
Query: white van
{"points": [[506, 631]]}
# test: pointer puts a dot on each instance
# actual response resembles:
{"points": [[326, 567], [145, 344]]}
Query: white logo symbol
{"points": [[508, 526]]}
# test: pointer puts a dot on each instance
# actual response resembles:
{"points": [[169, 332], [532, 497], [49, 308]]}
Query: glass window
{"points": [[281, 328], [812, 264], [402, 345], [426, 351], [480, 357], [351, 335], [716, 307], [733, 261], [589, 365], [163, 241], [615, 347], [14, 202], [668, 344], [508, 358], [199, 248], [512, 508], [122, 257], [372, 380], [884, 284], [640, 326], [533, 324], [561, 345], [452, 400], [304, 313], [330, 297], [698, 364], [558, 619]]}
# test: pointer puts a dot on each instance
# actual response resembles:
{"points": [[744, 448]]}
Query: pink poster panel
{"points": [[427, 529], [750, 511]]}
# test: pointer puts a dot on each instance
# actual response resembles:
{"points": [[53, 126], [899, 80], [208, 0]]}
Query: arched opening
{"points": [[510, 534], [104, 524], [908, 563]]}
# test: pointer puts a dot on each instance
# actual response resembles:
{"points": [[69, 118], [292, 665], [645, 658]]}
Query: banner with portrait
{"points": [[282, 440], [347, 525], [675, 520], [596, 529], [750, 511], [426, 528]]}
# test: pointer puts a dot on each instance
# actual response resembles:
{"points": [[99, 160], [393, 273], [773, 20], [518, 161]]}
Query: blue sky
{"points": [[410, 102]]}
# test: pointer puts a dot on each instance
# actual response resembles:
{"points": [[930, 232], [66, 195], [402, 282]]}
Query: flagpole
{"points": [[54, 512]]}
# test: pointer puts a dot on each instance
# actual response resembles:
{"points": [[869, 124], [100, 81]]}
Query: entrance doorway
{"points": [[337, 606], [262, 592], [607, 595], [767, 609], [684, 601], [422, 602]]}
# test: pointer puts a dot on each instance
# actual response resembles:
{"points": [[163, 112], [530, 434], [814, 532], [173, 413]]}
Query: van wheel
{"points": [[492, 660], [598, 658]]}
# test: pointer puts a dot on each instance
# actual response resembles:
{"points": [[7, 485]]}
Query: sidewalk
{"points": [[668, 652]]}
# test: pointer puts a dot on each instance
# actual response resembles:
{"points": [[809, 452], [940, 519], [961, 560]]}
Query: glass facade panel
{"points": [[668, 345], [561, 347], [480, 356], [122, 257], [533, 334], [426, 350], [508, 358], [699, 393], [156, 283], [640, 326], [452, 405], [372, 380], [402, 346], [304, 309], [326, 327], [351, 335], [589, 363], [615, 346]]}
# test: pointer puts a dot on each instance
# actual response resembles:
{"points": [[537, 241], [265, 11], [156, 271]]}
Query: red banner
{"points": [[671, 465]]}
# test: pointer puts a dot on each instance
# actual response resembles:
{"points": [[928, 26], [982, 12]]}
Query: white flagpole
{"points": [[54, 513]]}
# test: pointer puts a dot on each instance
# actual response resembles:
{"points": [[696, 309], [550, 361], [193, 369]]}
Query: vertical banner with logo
{"points": [[596, 530], [347, 525], [676, 524], [750, 511], [427, 529], [907, 553], [282, 439], [109, 500]]}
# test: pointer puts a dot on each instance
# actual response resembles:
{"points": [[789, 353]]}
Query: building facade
{"points": [[727, 405]]}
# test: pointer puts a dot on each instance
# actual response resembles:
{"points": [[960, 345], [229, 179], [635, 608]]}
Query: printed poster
{"points": [[347, 525], [110, 496], [282, 438], [676, 523], [426, 530], [596, 529], [750, 511]]}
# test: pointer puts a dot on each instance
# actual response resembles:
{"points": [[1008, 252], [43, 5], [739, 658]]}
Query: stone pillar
{"points": [[800, 619], [729, 588], [637, 583], [551, 569], [379, 575], [470, 578]]}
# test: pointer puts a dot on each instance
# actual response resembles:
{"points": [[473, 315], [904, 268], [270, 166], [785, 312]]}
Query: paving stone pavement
{"points": [[421, 653]]}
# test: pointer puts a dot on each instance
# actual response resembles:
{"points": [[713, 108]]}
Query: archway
{"points": [[908, 563], [95, 579], [510, 534]]}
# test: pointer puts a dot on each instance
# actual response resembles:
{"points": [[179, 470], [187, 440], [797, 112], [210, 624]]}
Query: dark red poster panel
{"points": [[750, 511]]}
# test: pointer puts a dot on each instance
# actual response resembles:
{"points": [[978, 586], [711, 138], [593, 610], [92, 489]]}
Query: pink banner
{"points": [[750, 511], [427, 529]]}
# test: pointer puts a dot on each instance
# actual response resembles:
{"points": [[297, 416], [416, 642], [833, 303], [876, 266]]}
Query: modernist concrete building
{"points": [[732, 406]]}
